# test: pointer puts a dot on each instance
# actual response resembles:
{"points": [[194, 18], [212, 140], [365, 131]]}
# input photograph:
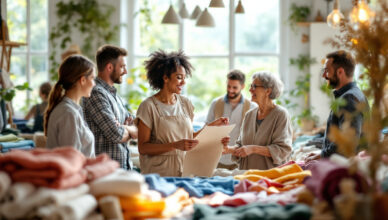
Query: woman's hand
{"points": [[228, 149], [185, 144], [243, 151], [219, 122]]}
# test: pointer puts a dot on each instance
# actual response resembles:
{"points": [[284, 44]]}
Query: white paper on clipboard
{"points": [[203, 159]]}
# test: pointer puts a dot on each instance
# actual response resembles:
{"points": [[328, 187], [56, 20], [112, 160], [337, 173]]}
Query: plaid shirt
{"points": [[102, 110]]}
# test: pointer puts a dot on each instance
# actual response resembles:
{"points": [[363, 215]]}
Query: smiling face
{"points": [[233, 89], [175, 83], [259, 92], [330, 74], [119, 70]]}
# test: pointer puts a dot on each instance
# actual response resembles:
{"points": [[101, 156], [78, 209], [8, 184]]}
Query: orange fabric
{"points": [[276, 172], [176, 202], [251, 177], [141, 204], [294, 176]]}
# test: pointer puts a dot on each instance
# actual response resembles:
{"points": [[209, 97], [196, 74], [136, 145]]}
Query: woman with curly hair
{"points": [[164, 120]]}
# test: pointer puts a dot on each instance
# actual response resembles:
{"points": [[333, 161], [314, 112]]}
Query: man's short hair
{"points": [[343, 59], [108, 54], [237, 75], [45, 88]]}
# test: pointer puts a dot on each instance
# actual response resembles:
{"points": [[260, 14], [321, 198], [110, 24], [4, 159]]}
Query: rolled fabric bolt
{"points": [[78, 208], [110, 207], [5, 183]]}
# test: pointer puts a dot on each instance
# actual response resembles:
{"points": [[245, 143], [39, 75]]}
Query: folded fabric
{"points": [[58, 168], [276, 172], [20, 191], [140, 206], [9, 138], [269, 186], [240, 199], [325, 179], [20, 145], [100, 166], [110, 207], [119, 183], [41, 197], [251, 177], [283, 198], [297, 177], [199, 187], [78, 208], [5, 183], [155, 182], [253, 211]]}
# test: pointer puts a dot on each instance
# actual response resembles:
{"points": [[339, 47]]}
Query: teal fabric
{"points": [[253, 211]]}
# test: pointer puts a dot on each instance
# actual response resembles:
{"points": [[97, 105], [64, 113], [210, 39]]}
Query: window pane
{"points": [[137, 87], [207, 40], [38, 76], [18, 77], [258, 29], [17, 21], [201, 88], [250, 65], [150, 34], [39, 15]]}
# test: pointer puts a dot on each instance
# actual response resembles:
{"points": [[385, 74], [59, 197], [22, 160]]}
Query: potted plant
{"points": [[297, 14]]}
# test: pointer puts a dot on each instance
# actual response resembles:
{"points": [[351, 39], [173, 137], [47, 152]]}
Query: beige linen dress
{"points": [[274, 132], [165, 129]]}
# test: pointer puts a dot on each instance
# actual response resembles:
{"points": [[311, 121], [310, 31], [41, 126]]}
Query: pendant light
{"points": [[360, 14], [335, 17], [196, 12], [239, 8], [205, 19], [183, 13], [216, 4], [171, 17]]}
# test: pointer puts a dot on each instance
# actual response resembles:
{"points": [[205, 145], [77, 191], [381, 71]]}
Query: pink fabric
{"points": [[100, 166], [325, 179], [241, 199], [58, 168]]}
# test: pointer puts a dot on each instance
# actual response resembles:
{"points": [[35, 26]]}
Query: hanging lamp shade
{"points": [[335, 17], [239, 8], [205, 19], [183, 13], [197, 11], [216, 4], [171, 17]]}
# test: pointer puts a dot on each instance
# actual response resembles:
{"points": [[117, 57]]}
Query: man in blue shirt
{"points": [[338, 72]]}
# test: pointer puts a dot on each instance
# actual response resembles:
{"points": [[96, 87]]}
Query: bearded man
{"points": [[104, 111], [338, 72], [233, 106]]}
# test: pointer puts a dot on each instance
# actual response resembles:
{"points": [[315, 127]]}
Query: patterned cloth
{"points": [[102, 111]]}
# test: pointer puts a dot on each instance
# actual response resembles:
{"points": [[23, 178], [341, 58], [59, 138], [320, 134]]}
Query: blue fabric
{"points": [[197, 187], [200, 187], [7, 146], [155, 182]]}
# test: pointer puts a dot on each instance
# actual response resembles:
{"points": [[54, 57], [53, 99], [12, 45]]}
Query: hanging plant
{"points": [[90, 19], [298, 14]]}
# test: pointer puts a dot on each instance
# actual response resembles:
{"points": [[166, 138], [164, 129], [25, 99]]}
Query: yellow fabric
{"points": [[141, 204], [250, 177], [276, 172], [294, 176], [176, 202]]}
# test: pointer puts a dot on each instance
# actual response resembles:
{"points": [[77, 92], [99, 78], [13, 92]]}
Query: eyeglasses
{"points": [[253, 86]]}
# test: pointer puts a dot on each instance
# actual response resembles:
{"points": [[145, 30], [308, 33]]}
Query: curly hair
{"points": [[162, 64]]}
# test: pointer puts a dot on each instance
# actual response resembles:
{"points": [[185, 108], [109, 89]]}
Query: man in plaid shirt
{"points": [[104, 111]]}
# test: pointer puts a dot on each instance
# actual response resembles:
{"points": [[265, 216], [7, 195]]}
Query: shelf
{"points": [[12, 43]]}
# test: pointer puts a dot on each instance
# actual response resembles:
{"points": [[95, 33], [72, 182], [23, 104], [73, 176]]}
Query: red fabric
{"points": [[325, 179], [100, 166], [241, 199]]}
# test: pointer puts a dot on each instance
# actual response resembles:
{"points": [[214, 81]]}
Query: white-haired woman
{"points": [[266, 132]]}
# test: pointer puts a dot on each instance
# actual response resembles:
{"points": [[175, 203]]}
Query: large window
{"points": [[27, 22], [249, 42]]}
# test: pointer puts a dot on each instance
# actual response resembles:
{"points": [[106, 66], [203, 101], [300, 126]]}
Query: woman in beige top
{"points": [[266, 133], [164, 120]]}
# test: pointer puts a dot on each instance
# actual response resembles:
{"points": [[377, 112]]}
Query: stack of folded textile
{"points": [[10, 141]]}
